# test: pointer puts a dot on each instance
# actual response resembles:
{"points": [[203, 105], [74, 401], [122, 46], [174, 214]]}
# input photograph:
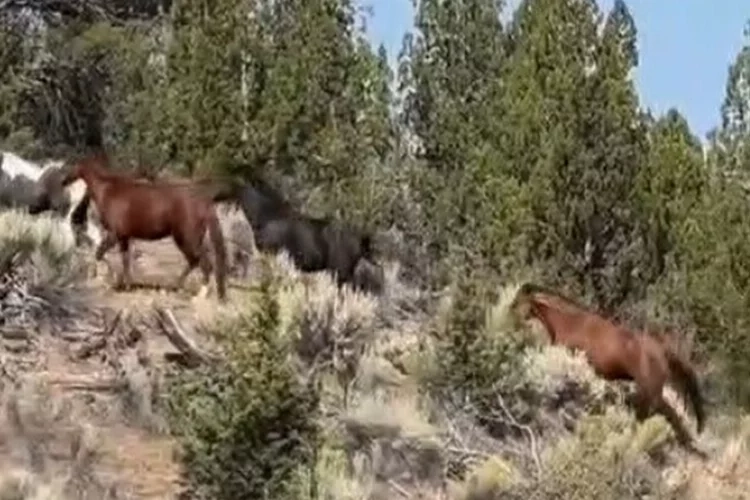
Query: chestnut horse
{"points": [[131, 208], [616, 353]]}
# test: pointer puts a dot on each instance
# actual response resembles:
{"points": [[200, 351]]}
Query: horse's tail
{"points": [[79, 215], [223, 190], [689, 381], [217, 239]]}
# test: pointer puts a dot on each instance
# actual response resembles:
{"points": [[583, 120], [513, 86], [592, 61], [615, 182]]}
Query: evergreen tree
{"points": [[614, 151], [670, 185], [552, 47], [323, 112], [452, 66], [204, 79], [575, 136], [731, 139]]}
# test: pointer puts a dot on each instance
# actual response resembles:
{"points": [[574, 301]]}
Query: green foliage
{"points": [[511, 147], [473, 364], [451, 69], [709, 283], [599, 461], [670, 186], [246, 425], [701, 207]]}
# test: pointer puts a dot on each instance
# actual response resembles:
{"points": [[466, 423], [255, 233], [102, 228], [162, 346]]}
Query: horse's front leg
{"points": [[125, 280], [105, 245]]}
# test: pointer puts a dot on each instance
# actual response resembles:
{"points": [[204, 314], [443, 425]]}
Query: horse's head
{"points": [[521, 306], [261, 202], [49, 192], [80, 168]]}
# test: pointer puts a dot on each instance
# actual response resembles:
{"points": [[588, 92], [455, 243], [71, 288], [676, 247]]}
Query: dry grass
{"points": [[47, 232], [50, 447], [388, 439]]}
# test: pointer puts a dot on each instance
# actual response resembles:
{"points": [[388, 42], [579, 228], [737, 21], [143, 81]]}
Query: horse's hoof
{"points": [[202, 292]]}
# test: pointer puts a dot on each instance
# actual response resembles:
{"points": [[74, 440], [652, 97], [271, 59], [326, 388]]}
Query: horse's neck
{"points": [[555, 319], [268, 209], [96, 182]]}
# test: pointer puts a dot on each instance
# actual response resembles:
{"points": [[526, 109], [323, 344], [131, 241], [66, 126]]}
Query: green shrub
{"points": [[472, 364], [605, 458], [246, 425]]}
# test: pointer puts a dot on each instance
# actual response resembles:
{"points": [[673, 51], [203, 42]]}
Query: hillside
{"points": [[83, 384], [508, 145]]}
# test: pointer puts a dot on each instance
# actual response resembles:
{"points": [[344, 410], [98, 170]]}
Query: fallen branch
{"points": [[176, 335], [99, 384], [14, 333], [400, 489], [527, 429], [467, 452], [109, 330], [89, 348]]}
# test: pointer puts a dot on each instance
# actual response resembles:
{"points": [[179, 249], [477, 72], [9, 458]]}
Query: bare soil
{"points": [[132, 458]]}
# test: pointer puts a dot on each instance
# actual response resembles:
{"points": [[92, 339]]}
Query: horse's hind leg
{"points": [[205, 264], [649, 400], [683, 436], [189, 266], [192, 258], [206, 268]]}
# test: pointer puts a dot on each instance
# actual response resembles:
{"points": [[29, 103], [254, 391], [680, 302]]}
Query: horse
{"points": [[131, 208], [314, 243], [616, 353], [73, 202], [26, 185], [18, 178]]}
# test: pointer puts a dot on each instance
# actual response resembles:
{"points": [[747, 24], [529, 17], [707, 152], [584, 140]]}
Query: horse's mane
{"points": [[97, 160], [530, 288], [268, 190]]}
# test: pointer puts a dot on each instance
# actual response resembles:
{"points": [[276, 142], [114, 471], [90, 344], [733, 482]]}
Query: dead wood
{"points": [[193, 356]]}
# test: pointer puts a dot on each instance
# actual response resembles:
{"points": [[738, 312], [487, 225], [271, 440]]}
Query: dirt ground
{"points": [[132, 459]]}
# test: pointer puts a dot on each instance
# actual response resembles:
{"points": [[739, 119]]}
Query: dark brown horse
{"points": [[131, 208], [616, 353], [314, 243]]}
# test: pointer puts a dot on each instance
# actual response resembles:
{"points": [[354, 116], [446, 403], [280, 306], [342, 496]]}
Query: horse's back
{"points": [[18, 191], [298, 237], [344, 243], [136, 210], [14, 165], [170, 207]]}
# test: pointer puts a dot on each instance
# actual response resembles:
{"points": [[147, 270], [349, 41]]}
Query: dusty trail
{"points": [[102, 399]]}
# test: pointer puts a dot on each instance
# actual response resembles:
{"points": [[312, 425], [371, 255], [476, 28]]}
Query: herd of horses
{"points": [[131, 208]]}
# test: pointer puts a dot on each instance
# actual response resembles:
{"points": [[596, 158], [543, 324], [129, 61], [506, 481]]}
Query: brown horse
{"points": [[132, 208], [616, 353]]}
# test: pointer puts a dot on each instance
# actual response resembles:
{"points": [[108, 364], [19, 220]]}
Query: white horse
{"points": [[13, 165], [69, 198], [18, 179], [41, 192]]}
